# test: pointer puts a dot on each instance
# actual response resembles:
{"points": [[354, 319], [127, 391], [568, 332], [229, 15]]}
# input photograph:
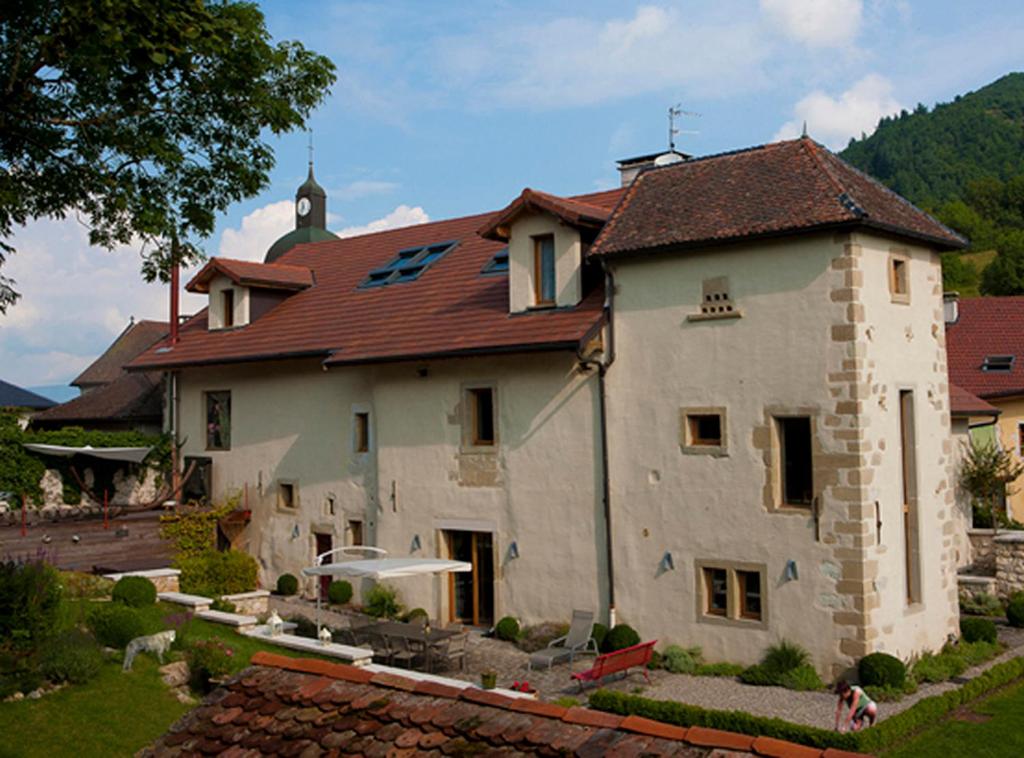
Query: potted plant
{"points": [[488, 679]]}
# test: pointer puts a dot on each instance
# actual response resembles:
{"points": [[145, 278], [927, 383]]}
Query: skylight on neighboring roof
{"points": [[408, 264], [998, 363], [498, 264]]}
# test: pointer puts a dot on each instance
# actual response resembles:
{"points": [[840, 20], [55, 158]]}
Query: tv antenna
{"points": [[675, 112]]}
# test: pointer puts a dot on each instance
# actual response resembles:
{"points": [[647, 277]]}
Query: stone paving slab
{"points": [[230, 619], [195, 602]]}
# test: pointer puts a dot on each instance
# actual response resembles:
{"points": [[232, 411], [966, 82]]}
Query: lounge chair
{"points": [[576, 642]]}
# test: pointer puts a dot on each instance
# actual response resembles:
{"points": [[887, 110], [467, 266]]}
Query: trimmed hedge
{"points": [[339, 592], [136, 591], [881, 670], [619, 637], [115, 625], [1015, 610], [287, 584], [507, 629], [886, 733], [978, 630], [215, 573]]}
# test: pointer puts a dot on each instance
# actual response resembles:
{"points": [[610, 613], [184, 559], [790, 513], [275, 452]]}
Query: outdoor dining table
{"points": [[412, 632]]}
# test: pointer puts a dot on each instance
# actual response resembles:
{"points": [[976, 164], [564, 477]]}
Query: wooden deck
{"points": [[132, 543]]}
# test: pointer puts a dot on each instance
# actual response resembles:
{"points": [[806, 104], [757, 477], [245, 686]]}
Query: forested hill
{"points": [[931, 156]]}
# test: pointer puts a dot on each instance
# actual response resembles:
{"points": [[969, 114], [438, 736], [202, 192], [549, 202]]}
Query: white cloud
{"points": [[816, 23], [258, 231], [571, 61], [401, 216], [75, 300], [834, 120]]}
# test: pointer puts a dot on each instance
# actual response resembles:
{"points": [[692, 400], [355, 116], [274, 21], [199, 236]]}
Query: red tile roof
{"points": [[449, 310], [133, 340], [135, 397], [964, 403], [286, 706], [573, 212], [987, 326], [252, 274], [774, 189]]}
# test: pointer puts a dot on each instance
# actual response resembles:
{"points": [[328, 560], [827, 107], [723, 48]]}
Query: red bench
{"points": [[616, 661]]}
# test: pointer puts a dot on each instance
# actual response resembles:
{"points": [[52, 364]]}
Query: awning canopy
{"points": [[388, 568], [131, 454]]}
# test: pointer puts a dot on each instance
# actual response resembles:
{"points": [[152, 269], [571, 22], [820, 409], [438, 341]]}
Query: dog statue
{"points": [[155, 643]]}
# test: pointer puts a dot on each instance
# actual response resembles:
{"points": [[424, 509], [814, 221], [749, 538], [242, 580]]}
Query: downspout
{"points": [[606, 495]]}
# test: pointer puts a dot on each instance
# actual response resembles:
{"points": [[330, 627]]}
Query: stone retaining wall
{"points": [[983, 552], [1009, 560], [250, 603]]}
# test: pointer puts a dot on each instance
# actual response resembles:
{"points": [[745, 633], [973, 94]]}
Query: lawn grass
{"points": [[1000, 737], [117, 713]]}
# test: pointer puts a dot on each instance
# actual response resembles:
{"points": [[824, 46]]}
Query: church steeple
{"points": [[310, 203]]}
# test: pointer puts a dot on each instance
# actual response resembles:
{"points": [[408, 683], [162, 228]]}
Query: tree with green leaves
{"points": [[987, 474], [144, 118]]}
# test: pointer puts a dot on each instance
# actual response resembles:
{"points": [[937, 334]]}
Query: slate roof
{"points": [[987, 326], [288, 706], [110, 365], [252, 274], [775, 189], [130, 397], [13, 396], [451, 309], [963, 403]]}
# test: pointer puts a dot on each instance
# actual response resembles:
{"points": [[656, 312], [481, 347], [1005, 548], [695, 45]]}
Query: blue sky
{"points": [[445, 109]]}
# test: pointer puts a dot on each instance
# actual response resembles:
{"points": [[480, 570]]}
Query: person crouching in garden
{"points": [[860, 706]]}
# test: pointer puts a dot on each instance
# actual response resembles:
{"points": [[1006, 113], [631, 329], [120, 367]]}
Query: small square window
{"points": [[218, 420], [481, 416], [287, 495], [705, 429], [361, 441], [716, 591], [749, 594]]}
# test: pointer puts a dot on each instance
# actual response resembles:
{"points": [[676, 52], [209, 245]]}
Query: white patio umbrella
{"points": [[378, 568]]}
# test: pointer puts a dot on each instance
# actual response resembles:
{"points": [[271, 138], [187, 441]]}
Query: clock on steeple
{"points": [[310, 219]]}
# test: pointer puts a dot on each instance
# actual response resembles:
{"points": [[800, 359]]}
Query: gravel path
{"points": [[720, 693]]}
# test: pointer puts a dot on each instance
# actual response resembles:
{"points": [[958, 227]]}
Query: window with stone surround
{"points": [[287, 494], [361, 432], [731, 592], [480, 418], [899, 278], [702, 430], [795, 460]]}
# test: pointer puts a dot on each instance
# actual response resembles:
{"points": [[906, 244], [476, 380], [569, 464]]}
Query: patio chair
{"points": [[449, 650], [576, 642], [402, 652]]}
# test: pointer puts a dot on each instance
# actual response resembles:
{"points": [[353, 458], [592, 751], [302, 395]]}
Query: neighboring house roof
{"points": [[135, 338], [573, 212], [12, 396], [987, 327], [448, 310], [963, 403], [252, 274], [775, 189], [284, 706], [130, 397]]}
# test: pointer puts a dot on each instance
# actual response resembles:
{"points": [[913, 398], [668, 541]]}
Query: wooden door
{"points": [[323, 545], [471, 593]]}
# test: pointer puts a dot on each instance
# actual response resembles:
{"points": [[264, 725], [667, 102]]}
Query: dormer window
{"points": [[544, 270], [228, 300], [998, 363]]}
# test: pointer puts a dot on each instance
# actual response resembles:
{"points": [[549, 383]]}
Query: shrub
{"points": [[599, 632], [679, 660], [18, 673], [214, 573], [81, 586], [287, 584], [507, 629], [135, 591], [415, 613], [719, 669], [222, 605], [759, 675], [567, 701], [339, 592], [72, 657], [382, 602], [1015, 610], [975, 630], [982, 604], [890, 694], [207, 660], [620, 636], [938, 668], [881, 670], [657, 661], [785, 656], [974, 653], [536, 637], [30, 596], [116, 625], [803, 679]]}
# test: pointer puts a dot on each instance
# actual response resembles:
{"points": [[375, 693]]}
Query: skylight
{"points": [[998, 363], [498, 264], [408, 264]]}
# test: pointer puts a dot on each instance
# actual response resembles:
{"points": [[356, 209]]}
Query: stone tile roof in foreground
{"points": [[288, 706]]}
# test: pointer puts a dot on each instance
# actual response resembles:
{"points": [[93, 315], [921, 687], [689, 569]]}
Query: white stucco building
{"points": [[712, 404]]}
